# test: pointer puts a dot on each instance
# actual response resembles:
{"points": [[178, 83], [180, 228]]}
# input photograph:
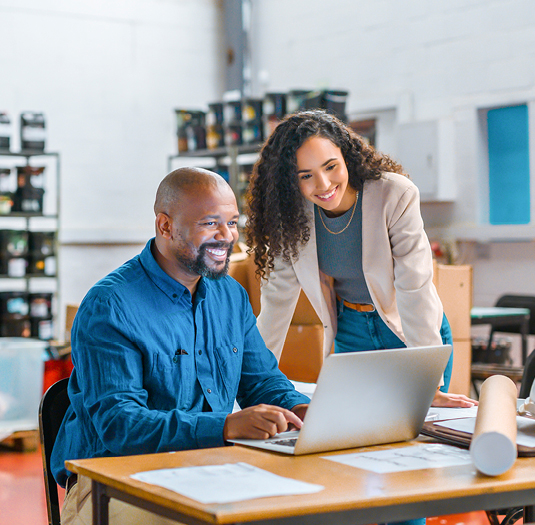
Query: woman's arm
{"points": [[279, 296]]}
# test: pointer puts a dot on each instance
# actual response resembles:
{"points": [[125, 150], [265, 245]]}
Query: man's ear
{"points": [[164, 225]]}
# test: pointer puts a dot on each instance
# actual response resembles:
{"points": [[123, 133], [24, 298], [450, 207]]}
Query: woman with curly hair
{"points": [[330, 215]]}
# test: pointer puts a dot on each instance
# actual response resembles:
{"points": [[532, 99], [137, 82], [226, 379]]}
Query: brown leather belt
{"points": [[359, 307], [71, 481]]}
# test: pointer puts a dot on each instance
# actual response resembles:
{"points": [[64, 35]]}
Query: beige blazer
{"points": [[397, 264]]}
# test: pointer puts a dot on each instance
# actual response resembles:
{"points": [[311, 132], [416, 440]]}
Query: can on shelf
{"points": [[40, 304], [14, 304], [32, 131], [5, 131], [215, 134], [15, 326], [42, 328], [14, 243], [273, 109]]}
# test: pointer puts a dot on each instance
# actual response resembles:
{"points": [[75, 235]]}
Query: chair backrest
{"points": [[54, 404], [517, 301], [528, 376]]}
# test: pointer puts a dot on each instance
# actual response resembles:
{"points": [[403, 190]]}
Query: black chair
{"points": [[515, 301], [528, 376], [54, 404]]}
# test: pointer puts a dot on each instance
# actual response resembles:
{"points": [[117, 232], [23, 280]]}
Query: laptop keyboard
{"points": [[286, 442]]}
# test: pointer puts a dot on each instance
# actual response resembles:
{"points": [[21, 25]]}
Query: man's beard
{"points": [[198, 266]]}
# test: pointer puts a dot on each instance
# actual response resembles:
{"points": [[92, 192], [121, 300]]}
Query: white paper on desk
{"points": [[442, 413], [307, 389], [525, 434], [225, 483], [417, 457]]}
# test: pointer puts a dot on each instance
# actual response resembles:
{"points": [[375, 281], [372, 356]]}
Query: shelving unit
{"points": [[45, 221], [237, 161]]}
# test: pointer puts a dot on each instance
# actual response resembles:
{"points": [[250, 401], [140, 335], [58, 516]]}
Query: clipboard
{"points": [[462, 439]]}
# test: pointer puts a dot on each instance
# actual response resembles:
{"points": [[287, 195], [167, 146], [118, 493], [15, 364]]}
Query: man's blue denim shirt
{"points": [[154, 372]]}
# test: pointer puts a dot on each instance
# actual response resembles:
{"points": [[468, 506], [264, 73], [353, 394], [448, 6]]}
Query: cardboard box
{"points": [[462, 362], [454, 286], [302, 355], [244, 271]]}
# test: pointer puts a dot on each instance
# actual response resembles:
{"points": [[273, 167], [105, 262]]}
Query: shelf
{"points": [[27, 153], [220, 152], [26, 215], [28, 276], [46, 220]]}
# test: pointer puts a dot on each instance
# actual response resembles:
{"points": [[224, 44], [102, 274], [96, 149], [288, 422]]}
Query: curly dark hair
{"points": [[277, 224]]}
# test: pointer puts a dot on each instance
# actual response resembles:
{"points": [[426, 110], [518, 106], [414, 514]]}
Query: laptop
{"points": [[365, 398]]}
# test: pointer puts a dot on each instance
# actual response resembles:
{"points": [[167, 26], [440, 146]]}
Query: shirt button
{"points": [[209, 390], [234, 349], [174, 296], [200, 352]]}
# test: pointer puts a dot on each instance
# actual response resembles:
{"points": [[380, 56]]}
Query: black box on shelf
{"points": [[191, 132], [42, 328], [14, 303], [13, 243], [28, 200], [32, 131], [15, 326], [215, 133], [13, 266], [5, 131], [40, 304]]}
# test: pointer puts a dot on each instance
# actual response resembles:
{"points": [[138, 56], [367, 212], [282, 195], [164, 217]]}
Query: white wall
{"points": [[421, 61], [108, 76]]}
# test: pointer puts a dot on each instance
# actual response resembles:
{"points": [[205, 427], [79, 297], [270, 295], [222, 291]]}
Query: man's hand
{"points": [[259, 422], [299, 411], [444, 399]]}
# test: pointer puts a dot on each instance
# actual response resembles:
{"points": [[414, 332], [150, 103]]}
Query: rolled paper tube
{"points": [[493, 447]]}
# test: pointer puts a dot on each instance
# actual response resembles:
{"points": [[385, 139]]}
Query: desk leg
{"points": [[100, 504]]}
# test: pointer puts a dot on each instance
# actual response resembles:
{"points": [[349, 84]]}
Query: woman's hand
{"points": [[445, 399]]}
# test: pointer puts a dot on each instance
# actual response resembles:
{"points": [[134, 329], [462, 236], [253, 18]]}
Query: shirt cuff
{"points": [[209, 430]]}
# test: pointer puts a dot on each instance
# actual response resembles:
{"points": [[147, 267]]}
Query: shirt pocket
{"points": [[171, 382], [228, 360]]}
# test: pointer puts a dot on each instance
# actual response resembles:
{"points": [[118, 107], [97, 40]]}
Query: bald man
{"points": [[163, 346]]}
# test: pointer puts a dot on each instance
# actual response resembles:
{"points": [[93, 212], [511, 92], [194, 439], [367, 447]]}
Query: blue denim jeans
{"points": [[367, 331]]}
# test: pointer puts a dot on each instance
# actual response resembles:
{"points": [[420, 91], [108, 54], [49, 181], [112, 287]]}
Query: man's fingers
{"points": [[259, 422]]}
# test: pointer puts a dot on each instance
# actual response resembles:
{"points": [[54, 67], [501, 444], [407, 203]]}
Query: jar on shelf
{"points": [[295, 100], [215, 134], [191, 132], [42, 253], [252, 120], [13, 252], [14, 318], [41, 321], [28, 197], [6, 190], [232, 112], [335, 102], [273, 109]]}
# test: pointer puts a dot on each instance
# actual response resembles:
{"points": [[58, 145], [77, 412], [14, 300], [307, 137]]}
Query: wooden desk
{"points": [[351, 496], [503, 316]]}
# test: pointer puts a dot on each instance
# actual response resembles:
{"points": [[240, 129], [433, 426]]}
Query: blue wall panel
{"points": [[508, 142]]}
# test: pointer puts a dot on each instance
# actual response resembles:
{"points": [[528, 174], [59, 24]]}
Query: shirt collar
{"points": [[173, 289]]}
